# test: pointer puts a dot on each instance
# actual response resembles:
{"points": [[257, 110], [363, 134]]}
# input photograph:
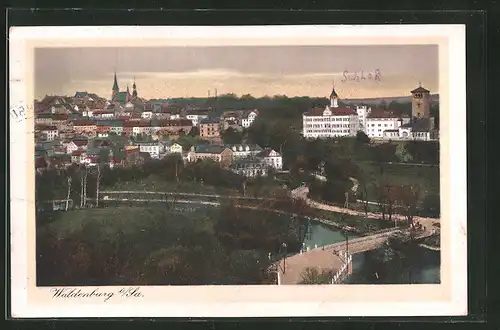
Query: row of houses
{"points": [[102, 123], [245, 159]]}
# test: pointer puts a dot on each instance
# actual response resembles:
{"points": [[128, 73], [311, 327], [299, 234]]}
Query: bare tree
{"points": [[98, 184], [82, 183], [409, 197], [85, 175], [69, 178]]}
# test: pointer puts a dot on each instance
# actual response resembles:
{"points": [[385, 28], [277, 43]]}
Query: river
{"points": [[425, 271]]}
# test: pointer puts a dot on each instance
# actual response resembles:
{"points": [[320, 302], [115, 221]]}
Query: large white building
{"points": [[332, 121], [335, 121], [380, 123]]}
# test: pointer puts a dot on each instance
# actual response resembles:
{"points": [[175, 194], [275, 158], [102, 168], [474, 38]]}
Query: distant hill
{"points": [[400, 99]]}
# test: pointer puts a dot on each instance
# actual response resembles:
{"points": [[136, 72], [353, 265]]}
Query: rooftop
{"points": [[209, 149], [210, 120]]}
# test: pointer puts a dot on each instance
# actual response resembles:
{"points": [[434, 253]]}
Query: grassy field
{"points": [[117, 219], [154, 183], [426, 177]]}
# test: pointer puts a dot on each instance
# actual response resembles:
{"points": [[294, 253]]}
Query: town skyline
{"points": [[177, 72]]}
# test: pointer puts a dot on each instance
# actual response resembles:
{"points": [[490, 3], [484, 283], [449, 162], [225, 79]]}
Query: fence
{"points": [[343, 272]]}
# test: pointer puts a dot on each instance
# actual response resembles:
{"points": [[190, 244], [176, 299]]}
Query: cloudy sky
{"points": [[257, 70]]}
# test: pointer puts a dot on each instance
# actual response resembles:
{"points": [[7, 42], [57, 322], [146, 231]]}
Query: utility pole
{"points": [[244, 188], [176, 174]]}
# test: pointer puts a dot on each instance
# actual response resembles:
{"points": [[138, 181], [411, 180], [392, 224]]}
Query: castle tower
{"points": [[420, 102], [115, 89], [134, 91], [334, 98]]}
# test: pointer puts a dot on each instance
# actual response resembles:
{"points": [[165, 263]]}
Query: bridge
{"points": [[330, 256]]}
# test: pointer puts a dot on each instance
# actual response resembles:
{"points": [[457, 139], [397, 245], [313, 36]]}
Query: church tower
{"points": [[334, 99], [115, 89], [129, 97], [420, 102], [134, 91]]}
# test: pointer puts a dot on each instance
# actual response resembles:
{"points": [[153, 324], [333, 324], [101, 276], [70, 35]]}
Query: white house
{"points": [[249, 118], [147, 114], [103, 114], [196, 116], [88, 113], [172, 147], [154, 149], [332, 121], [76, 145], [51, 132], [271, 158]]}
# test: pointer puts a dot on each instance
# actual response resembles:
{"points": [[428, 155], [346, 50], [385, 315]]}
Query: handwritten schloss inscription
{"points": [[358, 77], [75, 293]]}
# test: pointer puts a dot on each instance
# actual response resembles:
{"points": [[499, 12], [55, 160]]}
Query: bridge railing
{"points": [[341, 274]]}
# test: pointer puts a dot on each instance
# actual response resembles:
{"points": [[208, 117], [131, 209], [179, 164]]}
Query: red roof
{"points": [[46, 127], [336, 111], [342, 111], [77, 153], [80, 143], [96, 105], [315, 112], [84, 122]]}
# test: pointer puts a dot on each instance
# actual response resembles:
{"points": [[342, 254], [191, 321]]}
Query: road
{"points": [[303, 191]]}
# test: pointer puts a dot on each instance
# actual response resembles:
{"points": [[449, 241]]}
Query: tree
{"points": [[316, 276], [232, 136], [361, 137], [195, 131], [431, 205], [68, 177], [409, 197], [98, 183], [402, 153]]}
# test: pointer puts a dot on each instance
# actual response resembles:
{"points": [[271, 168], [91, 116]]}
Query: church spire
{"points": [[115, 89], [115, 85], [134, 92]]}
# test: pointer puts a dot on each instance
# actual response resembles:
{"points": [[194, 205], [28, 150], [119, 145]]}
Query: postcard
{"points": [[245, 171]]}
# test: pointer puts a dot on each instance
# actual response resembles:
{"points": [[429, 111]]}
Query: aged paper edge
{"points": [[447, 298]]}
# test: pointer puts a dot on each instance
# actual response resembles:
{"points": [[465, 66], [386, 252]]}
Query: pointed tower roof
{"points": [[134, 86], [334, 93], [115, 84]]}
